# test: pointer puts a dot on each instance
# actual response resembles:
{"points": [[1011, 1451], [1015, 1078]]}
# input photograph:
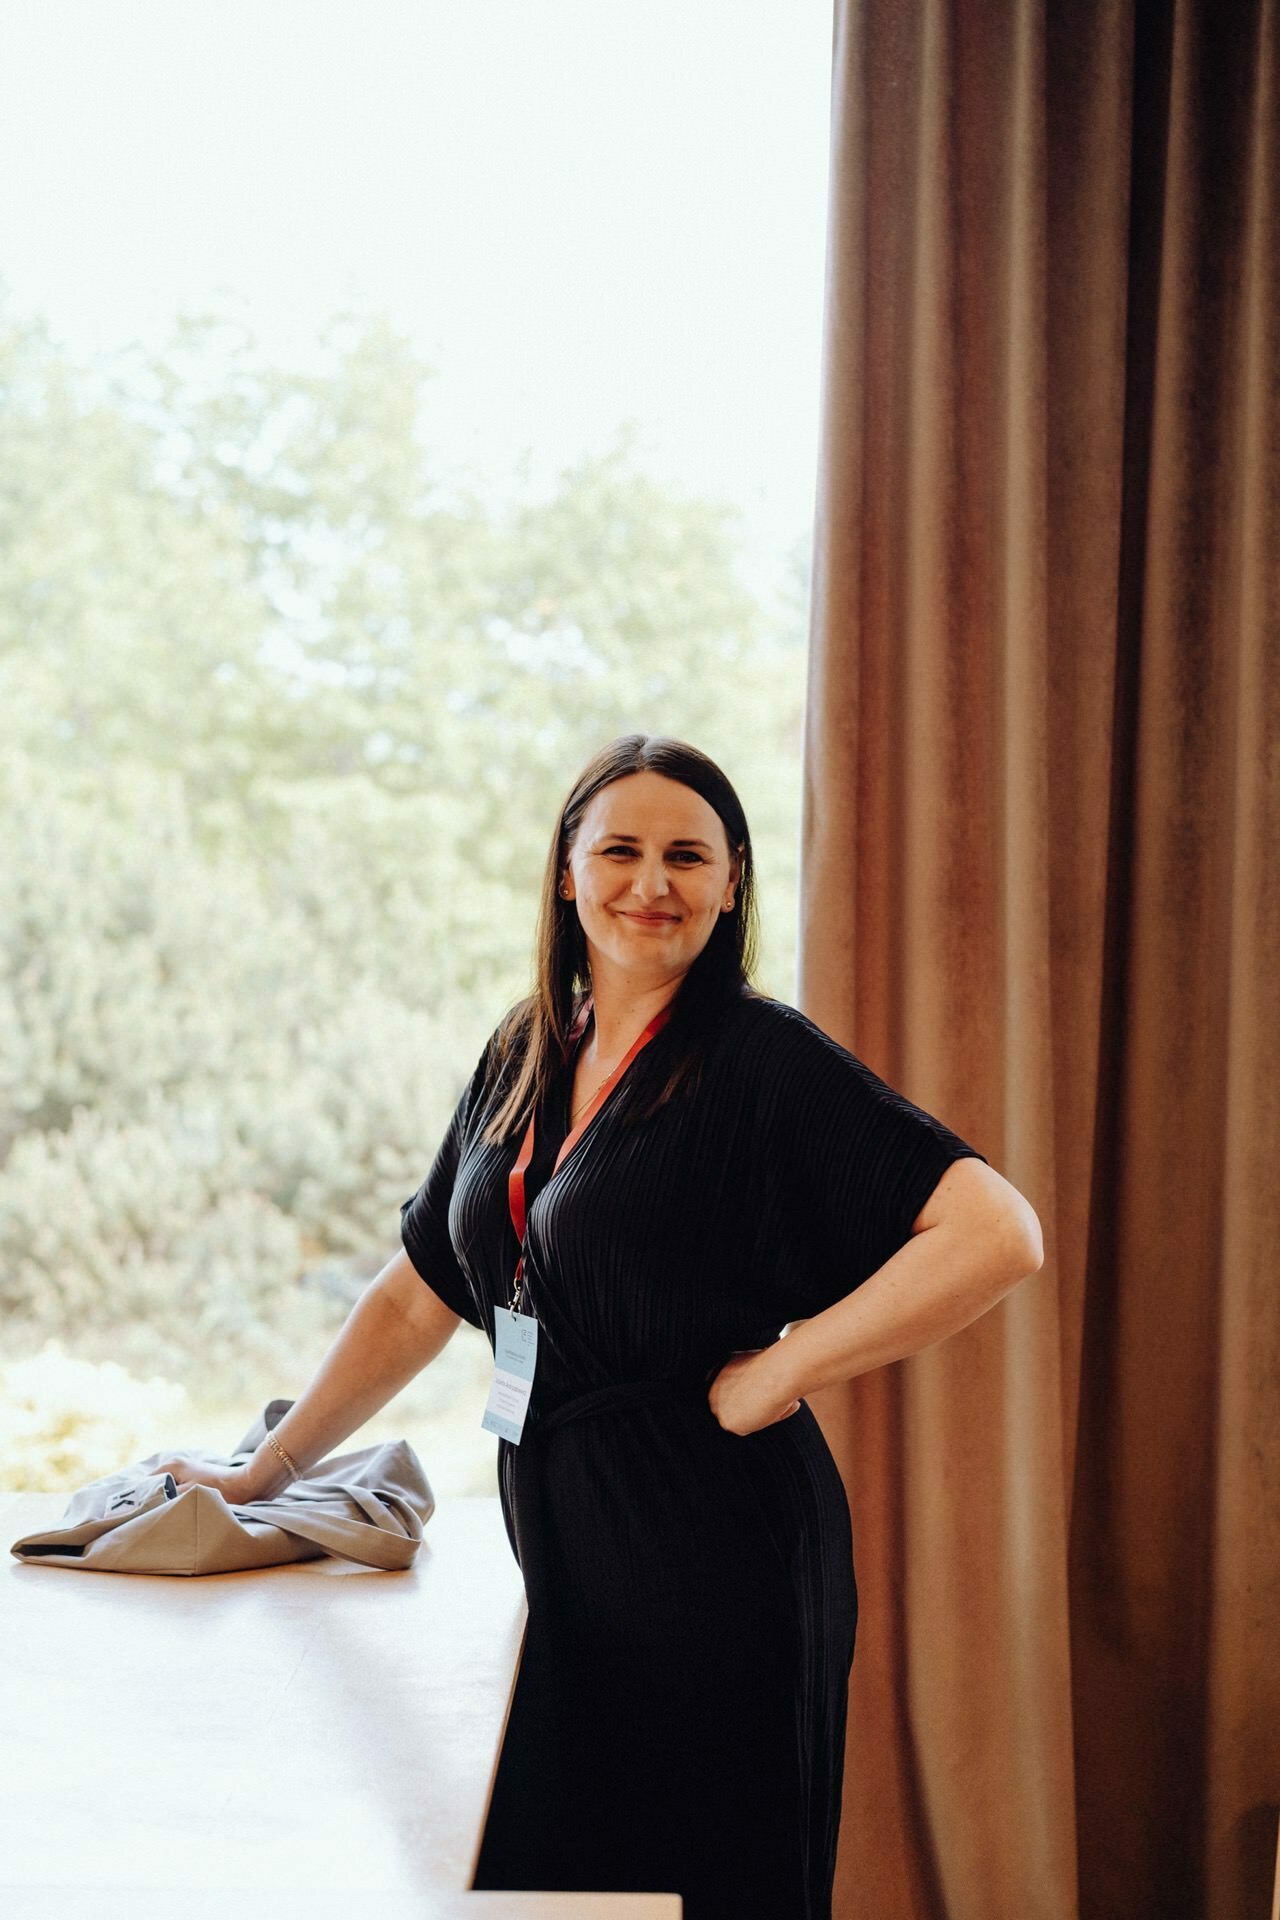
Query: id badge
{"points": [[515, 1349]]}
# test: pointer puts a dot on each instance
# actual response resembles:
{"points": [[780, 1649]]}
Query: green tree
{"points": [[285, 721]]}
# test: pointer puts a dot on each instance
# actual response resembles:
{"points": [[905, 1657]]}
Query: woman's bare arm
{"points": [[974, 1240], [396, 1326]]}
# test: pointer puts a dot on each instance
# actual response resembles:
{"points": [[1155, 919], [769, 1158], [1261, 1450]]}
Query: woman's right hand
{"points": [[231, 1482]]}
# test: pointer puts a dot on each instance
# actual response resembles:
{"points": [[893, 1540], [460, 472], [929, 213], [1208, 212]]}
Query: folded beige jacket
{"points": [[368, 1506]]}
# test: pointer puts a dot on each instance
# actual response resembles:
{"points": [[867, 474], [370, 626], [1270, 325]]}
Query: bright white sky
{"points": [[583, 211]]}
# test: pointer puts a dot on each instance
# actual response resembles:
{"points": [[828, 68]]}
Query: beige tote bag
{"points": [[369, 1506]]}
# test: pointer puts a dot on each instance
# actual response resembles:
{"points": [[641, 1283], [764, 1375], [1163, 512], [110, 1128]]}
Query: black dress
{"points": [[678, 1722]]}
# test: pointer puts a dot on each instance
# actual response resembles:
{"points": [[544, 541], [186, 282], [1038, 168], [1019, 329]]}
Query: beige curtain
{"points": [[1041, 895]]}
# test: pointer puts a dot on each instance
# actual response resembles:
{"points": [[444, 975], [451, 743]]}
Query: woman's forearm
{"points": [[937, 1283], [392, 1331]]}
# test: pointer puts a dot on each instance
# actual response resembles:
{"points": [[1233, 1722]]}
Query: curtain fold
{"points": [[1040, 894]]}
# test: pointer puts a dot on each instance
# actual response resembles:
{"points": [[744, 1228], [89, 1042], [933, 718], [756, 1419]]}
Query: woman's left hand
{"points": [[742, 1400]]}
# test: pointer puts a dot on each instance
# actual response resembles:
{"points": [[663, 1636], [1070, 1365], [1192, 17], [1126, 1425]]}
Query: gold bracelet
{"points": [[283, 1455]]}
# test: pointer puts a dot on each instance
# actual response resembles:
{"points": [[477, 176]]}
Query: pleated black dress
{"points": [[678, 1723]]}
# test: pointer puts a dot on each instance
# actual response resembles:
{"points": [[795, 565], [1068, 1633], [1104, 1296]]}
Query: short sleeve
{"points": [[848, 1161], [424, 1217]]}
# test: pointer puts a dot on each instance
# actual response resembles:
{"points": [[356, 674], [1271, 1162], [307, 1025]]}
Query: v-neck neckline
{"points": [[547, 1152], [557, 1109], [564, 1113]]}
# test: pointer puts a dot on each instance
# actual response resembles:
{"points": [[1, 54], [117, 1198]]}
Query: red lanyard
{"points": [[515, 1179]]}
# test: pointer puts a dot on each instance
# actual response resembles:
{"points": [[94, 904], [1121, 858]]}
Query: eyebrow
{"points": [[635, 840]]}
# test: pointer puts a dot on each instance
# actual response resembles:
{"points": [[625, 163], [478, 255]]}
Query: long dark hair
{"points": [[533, 1039]]}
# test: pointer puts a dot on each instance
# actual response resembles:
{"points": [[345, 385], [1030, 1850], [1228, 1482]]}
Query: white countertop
{"points": [[271, 1742]]}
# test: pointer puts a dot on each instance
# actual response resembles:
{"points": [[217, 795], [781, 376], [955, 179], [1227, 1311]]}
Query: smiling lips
{"points": [[651, 919]]}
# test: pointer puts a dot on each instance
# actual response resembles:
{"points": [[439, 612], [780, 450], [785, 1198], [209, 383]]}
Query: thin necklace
{"points": [[591, 1096], [595, 1090]]}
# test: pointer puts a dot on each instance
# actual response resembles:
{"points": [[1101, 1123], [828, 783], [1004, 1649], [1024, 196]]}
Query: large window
{"points": [[398, 403]]}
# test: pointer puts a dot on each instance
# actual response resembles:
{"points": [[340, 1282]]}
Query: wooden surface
{"points": [[277, 1742]]}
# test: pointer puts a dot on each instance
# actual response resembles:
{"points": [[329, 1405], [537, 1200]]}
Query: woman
{"points": [[707, 1172]]}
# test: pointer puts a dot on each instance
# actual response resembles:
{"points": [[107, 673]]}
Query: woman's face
{"points": [[651, 873]]}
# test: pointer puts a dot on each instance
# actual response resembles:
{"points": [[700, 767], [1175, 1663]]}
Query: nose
{"points": [[649, 881]]}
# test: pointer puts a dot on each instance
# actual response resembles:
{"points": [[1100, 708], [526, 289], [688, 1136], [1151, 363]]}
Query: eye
{"points": [[680, 853]]}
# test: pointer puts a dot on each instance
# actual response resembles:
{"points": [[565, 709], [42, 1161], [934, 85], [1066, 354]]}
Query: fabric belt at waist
{"points": [[613, 1398]]}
